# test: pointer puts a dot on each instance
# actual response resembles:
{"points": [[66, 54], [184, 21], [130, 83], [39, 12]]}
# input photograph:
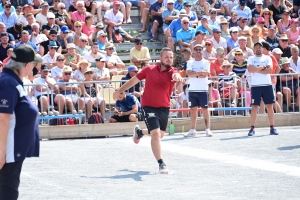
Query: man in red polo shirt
{"points": [[160, 81]]}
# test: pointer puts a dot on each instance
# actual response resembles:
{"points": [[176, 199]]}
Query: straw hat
{"points": [[223, 21], [283, 37], [88, 70], [83, 61], [226, 63], [266, 10], [255, 27], [285, 60], [237, 50]]}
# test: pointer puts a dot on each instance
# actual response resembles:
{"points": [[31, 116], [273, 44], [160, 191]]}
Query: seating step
{"points": [[125, 56], [128, 45]]}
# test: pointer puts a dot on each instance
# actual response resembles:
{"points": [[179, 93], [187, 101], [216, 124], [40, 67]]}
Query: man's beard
{"points": [[258, 53], [165, 65]]}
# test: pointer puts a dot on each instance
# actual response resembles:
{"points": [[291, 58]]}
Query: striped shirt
{"points": [[226, 79], [239, 69]]}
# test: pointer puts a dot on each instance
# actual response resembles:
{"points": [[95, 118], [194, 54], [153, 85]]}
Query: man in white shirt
{"points": [[113, 62], [260, 67], [36, 37], [198, 70], [41, 18], [218, 40], [295, 59], [92, 55], [113, 18], [50, 58], [101, 72], [213, 18], [44, 93]]}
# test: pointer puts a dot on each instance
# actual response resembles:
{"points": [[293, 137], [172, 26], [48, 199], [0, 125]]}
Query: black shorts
{"points": [[125, 118], [198, 99], [156, 118], [296, 2], [265, 93], [49, 99]]}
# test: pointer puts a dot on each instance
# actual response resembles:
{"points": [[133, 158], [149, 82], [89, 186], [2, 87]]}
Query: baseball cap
{"points": [[71, 45], [199, 32], [44, 4], [132, 68], [100, 58], [216, 30], [260, 19], [209, 41], [88, 70], [109, 45], [293, 20], [170, 1], [4, 34], [273, 27], [198, 45], [45, 68], [234, 29], [257, 43], [266, 45], [50, 15], [212, 10], [242, 38], [242, 18], [242, 2], [101, 33], [220, 50], [277, 51], [204, 17], [187, 3], [258, 2], [67, 69], [182, 12], [116, 3], [25, 53], [52, 31], [65, 29], [83, 37], [138, 40]]}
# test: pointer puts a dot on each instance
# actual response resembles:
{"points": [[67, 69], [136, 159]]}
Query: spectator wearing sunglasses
{"points": [[50, 25], [65, 37], [256, 12], [260, 22], [278, 10], [218, 40], [213, 20], [190, 14], [137, 89], [62, 18], [271, 38], [224, 26], [2, 6], [25, 40], [284, 45], [139, 53], [101, 72], [209, 52], [113, 62], [77, 32], [242, 45], [8, 17], [43, 48], [82, 48], [268, 17], [41, 18], [232, 42], [50, 58], [293, 32], [200, 38], [185, 35], [82, 65], [216, 65], [233, 21], [243, 27], [101, 41]]}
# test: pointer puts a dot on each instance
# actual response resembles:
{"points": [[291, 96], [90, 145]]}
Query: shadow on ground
{"points": [[288, 148], [135, 175]]}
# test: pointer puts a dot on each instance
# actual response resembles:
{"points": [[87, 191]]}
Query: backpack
{"points": [[117, 37], [58, 121], [95, 118]]}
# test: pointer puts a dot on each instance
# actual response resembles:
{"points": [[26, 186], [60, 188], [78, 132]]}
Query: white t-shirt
{"points": [[101, 73], [113, 59], [222, 43], [258, 79], [198, 84], [41, 18], [91, 59], [56, 72], [23, 20], [39, 38], [48, 59], [78, 75], [114, 18], [40, 80], [294, 66]]}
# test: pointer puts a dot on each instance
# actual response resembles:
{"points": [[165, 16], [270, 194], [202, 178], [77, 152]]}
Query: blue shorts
{"points": [[133, 3], [265, 93], [198, 99]]}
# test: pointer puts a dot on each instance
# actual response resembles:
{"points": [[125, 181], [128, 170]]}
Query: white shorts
{"points": [[86, 99], [72, 97], [98, 3]]}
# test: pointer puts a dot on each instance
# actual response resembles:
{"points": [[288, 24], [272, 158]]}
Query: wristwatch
{"points": [[265, 67]]}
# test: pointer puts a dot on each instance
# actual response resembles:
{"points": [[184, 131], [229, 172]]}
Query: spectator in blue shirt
{"points": [[191, 14], [11, 39], [128, 109], [169, 14], [178, 5], [4, 45], [2, 6], [243, 10], [156, 12], [185, 34], [18, 120], [25, 40], [205, 27], [7, 17], [135, 90]]}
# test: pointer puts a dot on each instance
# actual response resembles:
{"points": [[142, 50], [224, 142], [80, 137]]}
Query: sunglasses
{"points": [[198, 49], [170, 3], [226, 66], [110, 49], [67, 74], [234, 15], [53, 35], [98, 60], [57, 1], [7, 6], [77, 26], [187, 6], [224, 24], [52, 47], [244, 21], [83, 40], [135, 71], [261, 22], [213, 13], [284, 40], [139, 43], [60, 60], [234, 32], [217, 32], [207, 44], [62, 8], [88, 72], [267, 14], [185, 22], [238, 54], [103, 36]]}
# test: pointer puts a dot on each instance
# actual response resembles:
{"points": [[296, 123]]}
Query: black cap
{"points": [[199, 32], [4, 34], [187, 3], [45, 68], [257, 43], [242, 18], [266, 45], [52, 31], [25, 53], [138, 40], [242, 2]]}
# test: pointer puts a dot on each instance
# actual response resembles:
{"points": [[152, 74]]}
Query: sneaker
{"points": [[273, 131], [136, 137], [152, 40], [251, 132], [233, 104], [163, 169], [190, 134], [209, 133]]}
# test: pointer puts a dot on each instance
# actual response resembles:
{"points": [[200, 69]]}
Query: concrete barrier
{"points": [[217, 123]]}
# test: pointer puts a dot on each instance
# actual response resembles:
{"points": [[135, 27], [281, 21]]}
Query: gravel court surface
{"points": [[228, 165]]}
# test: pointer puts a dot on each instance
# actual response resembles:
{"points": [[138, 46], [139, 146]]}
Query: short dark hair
{"points": [[165, 49], [88, 17]]}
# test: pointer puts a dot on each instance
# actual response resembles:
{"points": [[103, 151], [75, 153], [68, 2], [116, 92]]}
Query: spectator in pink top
{"points": [[80, 14], [5, 61], [214, 100], [88, 28]]}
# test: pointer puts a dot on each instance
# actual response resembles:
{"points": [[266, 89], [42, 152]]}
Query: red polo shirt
{"points": [[158, 87]]}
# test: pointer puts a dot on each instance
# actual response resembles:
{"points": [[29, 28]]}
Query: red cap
{"points": [[117, 3]]}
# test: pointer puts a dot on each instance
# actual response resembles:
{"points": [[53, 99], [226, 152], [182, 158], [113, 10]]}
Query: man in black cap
{"points": [[43, 48], [260, 66], [139, 54], [4, 45]]}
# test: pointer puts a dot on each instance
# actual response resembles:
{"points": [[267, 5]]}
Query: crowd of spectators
{"points": [[76, 41]]}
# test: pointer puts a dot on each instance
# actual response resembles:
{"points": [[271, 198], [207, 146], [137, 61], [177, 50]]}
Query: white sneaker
{"points": [[190, 134], [209, 133]]}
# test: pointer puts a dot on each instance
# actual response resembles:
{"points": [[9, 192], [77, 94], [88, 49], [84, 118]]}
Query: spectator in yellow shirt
{"points": [[139, 54]]}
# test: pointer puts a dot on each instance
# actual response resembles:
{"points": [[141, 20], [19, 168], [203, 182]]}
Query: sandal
{"points": [[129, 21], [142, 31]]}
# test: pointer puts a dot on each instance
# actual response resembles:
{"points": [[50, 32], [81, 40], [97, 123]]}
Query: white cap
{"points": [[71, 45], [277, 51], [50, 15], [258, 2], [234, 29], [170, 1]]}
